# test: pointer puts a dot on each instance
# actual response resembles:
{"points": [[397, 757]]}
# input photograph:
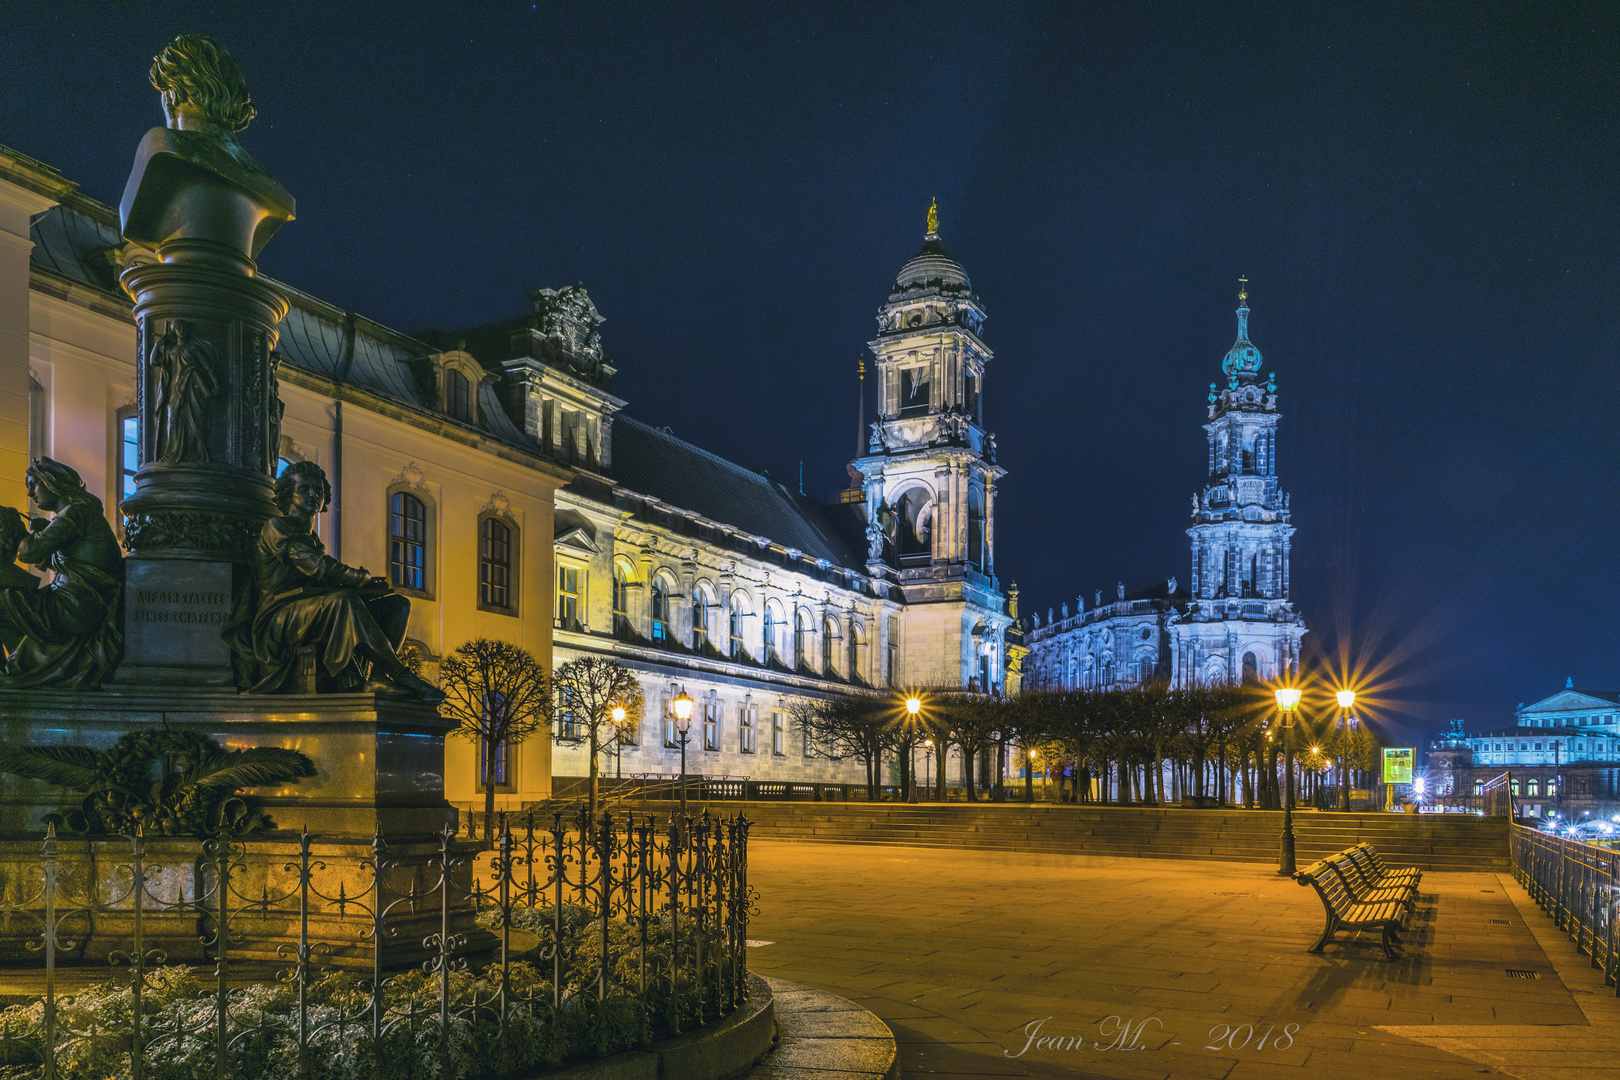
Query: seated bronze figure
{"points": [[303, 599], [69, 633]]}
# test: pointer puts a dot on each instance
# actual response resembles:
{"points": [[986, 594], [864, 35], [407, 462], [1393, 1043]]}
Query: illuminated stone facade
{"points": [[1236, 619], [492, 474], [1562, 755]]}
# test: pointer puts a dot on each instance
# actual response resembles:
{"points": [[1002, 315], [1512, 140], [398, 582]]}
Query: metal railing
{"points": [[1577, 885], [561, 939]]}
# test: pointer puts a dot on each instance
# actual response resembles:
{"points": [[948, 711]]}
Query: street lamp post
{"points": [[1287, 702], [913, 711], [1347, 701], [683, 723], [928, 766], [618, 740]]}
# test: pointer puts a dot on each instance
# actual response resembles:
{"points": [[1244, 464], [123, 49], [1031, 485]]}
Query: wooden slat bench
{"points": [[1364, 889], [1364, 854], [1344, 912]]}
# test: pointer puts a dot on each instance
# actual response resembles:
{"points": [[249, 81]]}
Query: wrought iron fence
{"points": [[320, 957], [1578, 885]]}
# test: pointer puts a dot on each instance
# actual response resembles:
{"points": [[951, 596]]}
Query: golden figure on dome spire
{"points": [[933, 218], [1243, 290]]}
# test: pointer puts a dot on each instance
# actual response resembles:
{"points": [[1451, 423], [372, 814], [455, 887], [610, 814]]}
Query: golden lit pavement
{"points": [[1589, 1051], [1148, 968]]}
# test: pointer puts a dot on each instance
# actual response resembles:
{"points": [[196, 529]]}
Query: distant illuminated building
{"points": [[1237, 620], [1562, 755]]}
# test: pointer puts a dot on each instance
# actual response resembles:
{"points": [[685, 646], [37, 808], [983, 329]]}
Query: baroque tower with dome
{"points": [[930, 473], [1235, 620]]}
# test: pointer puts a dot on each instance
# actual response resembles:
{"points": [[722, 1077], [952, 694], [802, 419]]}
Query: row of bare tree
{"points": [[500, 695], [1112, 745]]}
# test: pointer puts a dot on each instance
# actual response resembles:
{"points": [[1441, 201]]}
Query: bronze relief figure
{"points": [[185, 379]]}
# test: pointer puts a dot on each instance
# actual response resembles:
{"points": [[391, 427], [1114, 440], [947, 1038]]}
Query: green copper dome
{"points": [[1242, 358]]}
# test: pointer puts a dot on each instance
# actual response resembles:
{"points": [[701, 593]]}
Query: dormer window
{"points": [[458, 396]]}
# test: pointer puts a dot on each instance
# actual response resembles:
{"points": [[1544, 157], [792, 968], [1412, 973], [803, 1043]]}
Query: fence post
{"points": [[138, 957], [677, 832], [48, 865], [378, 929], [503, 870], [222, 1010], [445, 839], [303, 950]]}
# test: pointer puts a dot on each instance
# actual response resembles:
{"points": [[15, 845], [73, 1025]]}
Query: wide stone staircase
{"points": [[1426, 841]]}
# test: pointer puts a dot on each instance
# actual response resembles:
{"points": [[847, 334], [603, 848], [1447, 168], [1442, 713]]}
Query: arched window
{"points": [[829, 647], [622, 573], [661, 588], [975, 538], [407, 548], [853, 670], [1532, 788], [495, 564], [457, 396], [1251, 669], [738, 627], [915, 524], [801, 639], [775, 626], [702, 606]]}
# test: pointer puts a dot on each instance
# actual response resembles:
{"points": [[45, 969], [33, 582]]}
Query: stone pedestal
{"points": [[174, 610], [379, 761]]}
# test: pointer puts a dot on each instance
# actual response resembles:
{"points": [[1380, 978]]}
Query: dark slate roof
{"points": [[649, 461], [72, 240]]}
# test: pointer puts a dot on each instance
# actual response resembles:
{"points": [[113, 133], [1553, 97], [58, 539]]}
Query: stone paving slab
{"points": [[820, 1036], [1140, 968]]}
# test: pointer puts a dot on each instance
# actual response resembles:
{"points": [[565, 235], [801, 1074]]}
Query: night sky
{"points": [[1426, 204]]}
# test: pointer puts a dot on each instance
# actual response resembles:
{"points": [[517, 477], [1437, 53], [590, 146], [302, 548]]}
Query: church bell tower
{"points": [[930, 474], [1242, 624]]}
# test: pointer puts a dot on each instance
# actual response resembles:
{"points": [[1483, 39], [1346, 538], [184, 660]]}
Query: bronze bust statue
{"points": [[69, 633], [303, 599], [194, 194]]}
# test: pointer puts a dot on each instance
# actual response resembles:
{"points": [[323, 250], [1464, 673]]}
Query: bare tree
{"points": [[587, 691], [857, 727], [500, 695]]}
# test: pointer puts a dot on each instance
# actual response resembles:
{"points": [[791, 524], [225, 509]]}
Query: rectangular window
{"points": [[129, 455], [778, 734], [567, 722], [672, 736], [892, 661], [494, 564], [407, 549], [750, 717], [497, 759], [711, 724], [621, 601], [567, 597]]}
